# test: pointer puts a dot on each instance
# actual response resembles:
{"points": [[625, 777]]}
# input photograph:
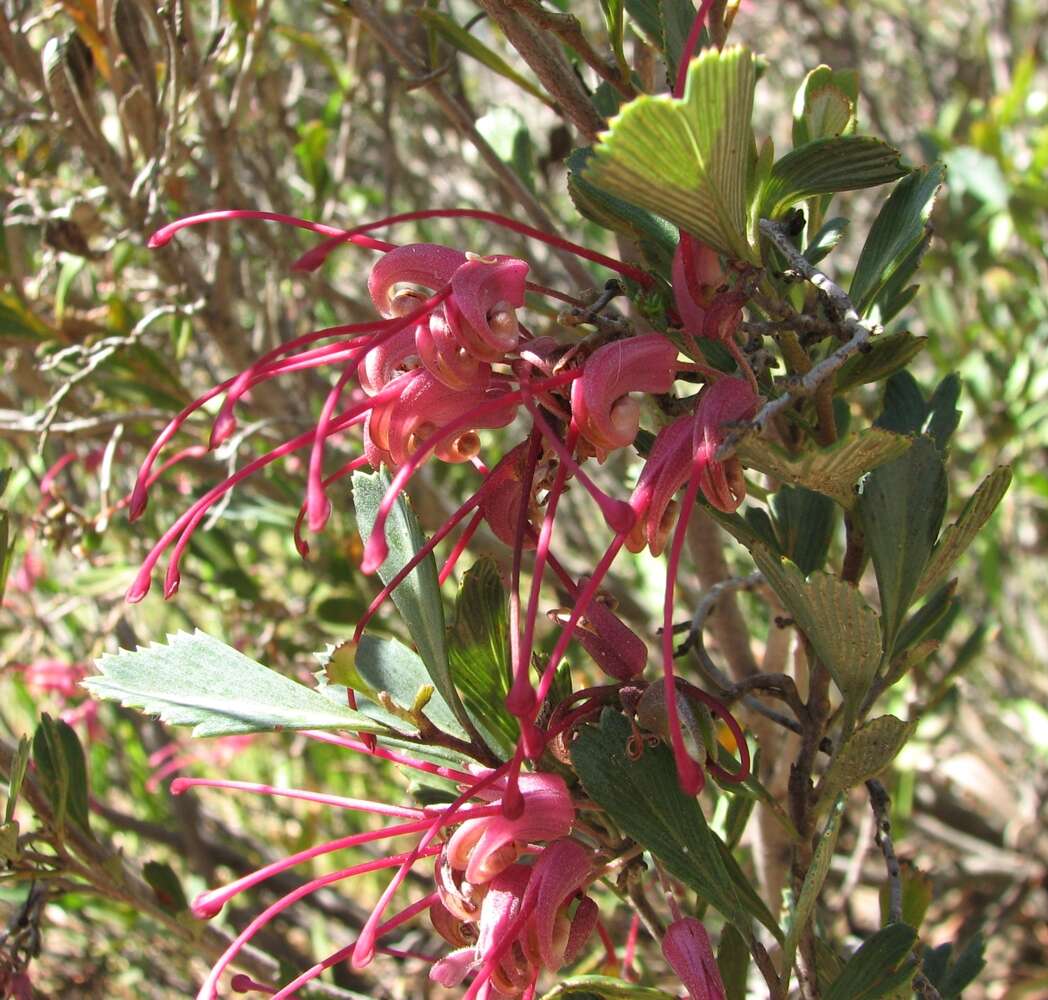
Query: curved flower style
{"points": [[448, 358]]}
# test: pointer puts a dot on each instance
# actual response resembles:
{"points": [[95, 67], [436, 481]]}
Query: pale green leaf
{"points": [[832, 471], [824, 105], [689, 160], [195, 680]]}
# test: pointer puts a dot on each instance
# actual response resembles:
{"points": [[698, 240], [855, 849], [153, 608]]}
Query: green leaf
{"points": [[832, 471], [864, 754], [60, 763], [655, 236], [615, 22], [676, 17], [817, 872], [873, 971], [388, 665], [886, 356], [7, 551], [472, 46], [959, 535], [901, 506], [604, 988], [906, 412], [826, 166], [733, 961], [166, 887], [478, 647], [828, 236], [17, 323], [921, 622], [950, 978], [689, 160], [843, 629], [896, 232], [804, 525], [19, 764], [645, 801], [508, 135], [418, 597], [824, 105], [195, 680]]}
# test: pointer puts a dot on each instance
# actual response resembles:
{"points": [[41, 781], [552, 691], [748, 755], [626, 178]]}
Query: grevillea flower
{"points": [[477, 849], [533, 918], [687, 948]]}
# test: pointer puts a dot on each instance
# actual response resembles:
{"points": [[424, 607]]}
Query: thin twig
{"points": [[881, 806], [799, 386]]}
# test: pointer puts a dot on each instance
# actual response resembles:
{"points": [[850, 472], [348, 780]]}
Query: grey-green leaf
{"points": [[195, 680], [867, 752], [644, 799], [817, 872], [418, 597], [733, 961], [959, 535], [843, 629]]}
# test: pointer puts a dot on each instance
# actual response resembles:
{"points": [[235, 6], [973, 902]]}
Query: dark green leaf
{"points": [[478, 647], [871, 972], [828, 236], [898, 229], [644, 799], [655, 236], [59, 760], [886, 356], [952, 977], [166, 886], [689, 160], [901, 506], [922, 621], [804, 523], [7, 551], [733, 960], [198, 681], [826, 166], [418, 597], [677, 17]]}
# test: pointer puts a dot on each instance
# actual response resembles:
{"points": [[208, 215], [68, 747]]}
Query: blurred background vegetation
{"points": [[118, 116]]}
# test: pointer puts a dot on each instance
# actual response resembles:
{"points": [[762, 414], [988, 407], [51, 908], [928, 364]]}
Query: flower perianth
{"points": [[686, 946], [606, 414]]}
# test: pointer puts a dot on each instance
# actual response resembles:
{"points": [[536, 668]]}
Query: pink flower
{"points": [[686, 946]]}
